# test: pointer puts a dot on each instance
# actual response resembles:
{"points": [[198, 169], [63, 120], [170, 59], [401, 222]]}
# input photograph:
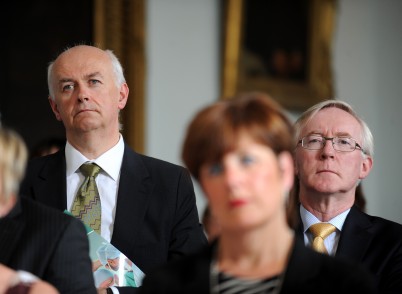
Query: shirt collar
{"points": [[309, 219], [110, 161]]}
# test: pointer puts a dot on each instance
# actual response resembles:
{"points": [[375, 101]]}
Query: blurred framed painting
{"points": [[120, 25], [281, 47]]}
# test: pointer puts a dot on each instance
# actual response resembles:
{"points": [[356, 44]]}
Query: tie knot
{"points": [[322, 230], [90, 169]]}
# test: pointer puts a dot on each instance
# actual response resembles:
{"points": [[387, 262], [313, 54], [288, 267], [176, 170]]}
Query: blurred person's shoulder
{"points": [[48, 217]]}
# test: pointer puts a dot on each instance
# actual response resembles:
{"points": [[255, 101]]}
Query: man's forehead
{"points": [[83, 56], [83, 69], [83, 50], [333, 119]]}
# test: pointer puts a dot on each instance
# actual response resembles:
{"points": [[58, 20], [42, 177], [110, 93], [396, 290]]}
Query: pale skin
{"points": [[6, 204], [107, 283], [328, 178], [41, 287], [7, 276], [96, 264], [246, 193], [114, 263], [87, 99]]}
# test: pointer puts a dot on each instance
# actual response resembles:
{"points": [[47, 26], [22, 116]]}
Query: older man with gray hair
{"points": [[334, 152]]}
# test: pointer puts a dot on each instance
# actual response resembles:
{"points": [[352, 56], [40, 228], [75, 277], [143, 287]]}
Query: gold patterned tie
{"points": [[87, 204], [320, 231]]}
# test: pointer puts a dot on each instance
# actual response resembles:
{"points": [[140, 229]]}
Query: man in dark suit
{"points": [[148, 205], [38, 239], [334, 153]]}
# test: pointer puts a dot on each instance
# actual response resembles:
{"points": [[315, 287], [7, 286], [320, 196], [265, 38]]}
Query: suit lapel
{"points": [[135, 186], [355, 236], [10, 229], [51, 188]]}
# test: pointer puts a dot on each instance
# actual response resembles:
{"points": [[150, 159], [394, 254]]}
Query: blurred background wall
{"points": [[183, 75]]}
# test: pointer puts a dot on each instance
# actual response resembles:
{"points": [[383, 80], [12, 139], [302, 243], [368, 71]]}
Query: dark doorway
{"points": [[33, 33]]}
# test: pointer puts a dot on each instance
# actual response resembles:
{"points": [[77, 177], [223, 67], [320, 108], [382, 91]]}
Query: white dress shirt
{"points": [[107, 181], [331, 242]]}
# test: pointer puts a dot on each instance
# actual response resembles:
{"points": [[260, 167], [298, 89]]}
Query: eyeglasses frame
{"points": [[357, 146]]}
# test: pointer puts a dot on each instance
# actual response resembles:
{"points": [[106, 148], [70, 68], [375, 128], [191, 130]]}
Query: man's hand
{"points": [[10, 281], [41, 287], [102, 291]]}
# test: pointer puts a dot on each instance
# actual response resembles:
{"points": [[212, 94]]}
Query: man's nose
{"points": [[83, 94], [328, 149]]}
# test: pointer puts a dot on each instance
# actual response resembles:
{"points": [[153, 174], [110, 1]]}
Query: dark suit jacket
{"points": [[307, 272], [374, 242], [49, 244], [156, 215]]}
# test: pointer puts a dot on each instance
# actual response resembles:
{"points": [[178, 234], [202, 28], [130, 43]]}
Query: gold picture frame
{"points": [[293, 93], [119, 25]]}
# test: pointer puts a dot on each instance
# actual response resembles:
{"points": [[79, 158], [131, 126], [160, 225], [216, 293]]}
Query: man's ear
{"points": [[366, 167], [55, 109], [124, 90]]}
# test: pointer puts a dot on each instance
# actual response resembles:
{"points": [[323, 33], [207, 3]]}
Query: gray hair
{"points": [[303, 120], [13, 160]]}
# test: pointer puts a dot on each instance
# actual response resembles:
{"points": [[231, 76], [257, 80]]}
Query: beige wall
{"points": [[183, 75]]}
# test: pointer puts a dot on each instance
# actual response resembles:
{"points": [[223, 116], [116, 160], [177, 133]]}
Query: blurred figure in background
{"points": [[34, 238]]}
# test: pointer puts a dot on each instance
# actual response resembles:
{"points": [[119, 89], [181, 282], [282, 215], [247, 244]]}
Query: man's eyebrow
{"points": [[65, 80], [343, 134], [314, 133], [88, 76], [94, 74], [337, 134]]}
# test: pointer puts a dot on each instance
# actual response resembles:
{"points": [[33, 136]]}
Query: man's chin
{"points": [[326, 189], [87, 126]]}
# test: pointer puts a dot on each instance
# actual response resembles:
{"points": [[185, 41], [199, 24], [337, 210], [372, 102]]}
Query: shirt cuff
{"points": [[26, 277]]}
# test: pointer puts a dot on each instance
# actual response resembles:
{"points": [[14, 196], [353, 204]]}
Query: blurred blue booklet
{"points": [[110, 266]]}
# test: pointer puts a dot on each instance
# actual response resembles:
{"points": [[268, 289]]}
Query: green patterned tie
{"points": [[87, 204]]}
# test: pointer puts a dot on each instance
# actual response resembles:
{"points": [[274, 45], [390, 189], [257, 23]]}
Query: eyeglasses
{"points": [[340, 144]]}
